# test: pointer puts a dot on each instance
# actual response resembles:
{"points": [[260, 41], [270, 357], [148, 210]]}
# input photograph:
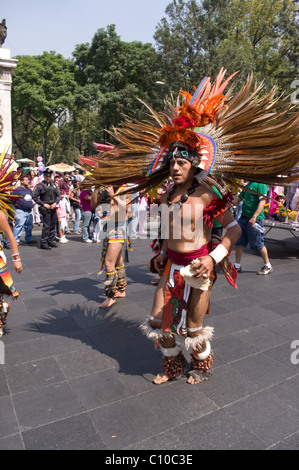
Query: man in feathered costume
{"points": [[8, 179], [246, 136]]}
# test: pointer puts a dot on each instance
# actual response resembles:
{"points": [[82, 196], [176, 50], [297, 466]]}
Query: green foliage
{"points": [[42, 93], [112, 74], [60, 107], [246, 35]]}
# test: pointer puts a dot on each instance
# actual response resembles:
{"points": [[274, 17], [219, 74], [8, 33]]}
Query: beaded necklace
{"points": [[185, 196]]}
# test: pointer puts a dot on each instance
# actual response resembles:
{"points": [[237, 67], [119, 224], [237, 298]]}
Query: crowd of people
{"points": [[58, 204]]}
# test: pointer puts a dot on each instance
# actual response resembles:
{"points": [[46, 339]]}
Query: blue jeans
{"points": [[86, 220], [77, 212], [250, 234], [23, 220]]}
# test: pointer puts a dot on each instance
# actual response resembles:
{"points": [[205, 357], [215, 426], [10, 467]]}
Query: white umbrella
{"points": [[25, 160], [61, 167]]}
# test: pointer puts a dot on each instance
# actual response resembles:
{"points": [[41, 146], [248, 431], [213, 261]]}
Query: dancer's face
{"points": [[181, 171]]}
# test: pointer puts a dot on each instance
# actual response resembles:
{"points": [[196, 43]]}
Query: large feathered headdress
{"points": [[8, 179], [248, 135]]}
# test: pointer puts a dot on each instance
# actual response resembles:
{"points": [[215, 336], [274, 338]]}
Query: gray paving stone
{"points": [[67, 343], [32, 375], [8, 421], [263, 370], [187, 402], [163, 441], [227, 349], [4, 391], [291, 442], [74, 433], [217, 431], [288, 391], [14, 442], [45, 405], [261, 337], [26, 351], [261, 414], [82, 361], [229, 386], [101, 388], [282, 307], [126, 422]]}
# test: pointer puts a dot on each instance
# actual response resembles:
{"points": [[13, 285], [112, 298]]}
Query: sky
{"points": [[35, 26]]}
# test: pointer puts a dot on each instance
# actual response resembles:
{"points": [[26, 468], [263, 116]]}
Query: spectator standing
{"points": [[75, 204], [251, 219], [47, 196], [133, 220], [85, 198], [143, 207], [62, 214], [78, 176], [33, 181], [64, 185], [23, 211]]}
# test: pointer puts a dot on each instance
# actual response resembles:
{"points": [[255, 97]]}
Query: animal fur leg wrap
{"points": [[151, 332], [111, 284], [201, 357], [206, 334], [121, 278]]}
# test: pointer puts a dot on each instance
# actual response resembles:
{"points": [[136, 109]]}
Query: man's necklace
{"points": [[185, 196]]}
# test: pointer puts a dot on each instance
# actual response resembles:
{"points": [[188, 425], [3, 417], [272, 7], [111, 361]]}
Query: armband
{"points": [[219, 253], [16, 257]]}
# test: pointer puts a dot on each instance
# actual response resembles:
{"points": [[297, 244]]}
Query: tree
{"points": [[198, 38], [111, 74], [42, 95]]}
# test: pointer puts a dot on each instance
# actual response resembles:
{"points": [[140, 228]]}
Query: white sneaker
{"points": [[88, 240], [63, 240]]}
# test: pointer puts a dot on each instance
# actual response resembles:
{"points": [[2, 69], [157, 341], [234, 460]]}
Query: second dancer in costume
{"points": [[115, 226]]}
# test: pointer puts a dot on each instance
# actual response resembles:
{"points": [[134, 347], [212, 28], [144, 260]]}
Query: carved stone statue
{"points": [[3, 32]]}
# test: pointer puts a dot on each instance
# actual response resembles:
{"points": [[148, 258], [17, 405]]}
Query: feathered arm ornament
{"points": [[8, 180]]}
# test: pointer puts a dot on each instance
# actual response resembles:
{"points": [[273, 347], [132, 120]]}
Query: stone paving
{"points": [[77, 377]]}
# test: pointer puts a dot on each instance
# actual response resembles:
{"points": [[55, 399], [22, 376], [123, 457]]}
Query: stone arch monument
{"points": [[7, 66]]}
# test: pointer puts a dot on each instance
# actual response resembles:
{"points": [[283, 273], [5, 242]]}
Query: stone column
{"points": [[7, 66]]}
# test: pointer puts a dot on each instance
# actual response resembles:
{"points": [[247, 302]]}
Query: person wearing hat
{"points": [[47, 196]]}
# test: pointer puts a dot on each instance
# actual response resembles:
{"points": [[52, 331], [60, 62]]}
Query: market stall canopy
{"points": [[61, 167], [88, 160], [102, 147]]}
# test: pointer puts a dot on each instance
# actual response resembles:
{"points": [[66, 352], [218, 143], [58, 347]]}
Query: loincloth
{"points": [[177, 290]]}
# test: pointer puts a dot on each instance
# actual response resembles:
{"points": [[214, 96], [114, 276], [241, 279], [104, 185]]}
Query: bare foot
{"points": [[193, 381], [161, 379], [198, 377], [120, 295], [107, 303]]}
